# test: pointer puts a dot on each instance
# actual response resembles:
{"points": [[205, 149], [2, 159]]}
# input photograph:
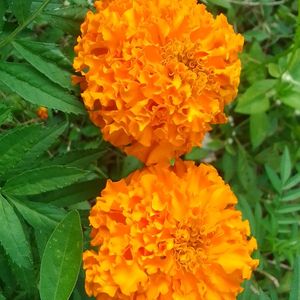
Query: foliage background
{"points": [[50, 171]]}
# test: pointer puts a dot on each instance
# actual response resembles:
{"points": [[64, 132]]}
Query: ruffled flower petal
{"points": [[168, 233], [156, 74]]}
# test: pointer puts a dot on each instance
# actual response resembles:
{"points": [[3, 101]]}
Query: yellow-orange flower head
{"points": [[157, 73], [168, 233]]}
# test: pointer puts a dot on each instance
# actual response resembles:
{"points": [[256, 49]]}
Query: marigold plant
{"points": [[156, 74], [168, 233]]}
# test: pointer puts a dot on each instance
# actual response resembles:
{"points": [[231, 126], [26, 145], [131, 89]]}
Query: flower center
{"points": [[189, 247], [177, 54]]}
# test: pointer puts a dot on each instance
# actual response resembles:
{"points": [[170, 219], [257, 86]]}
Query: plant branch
{"points": [[10, 37]]}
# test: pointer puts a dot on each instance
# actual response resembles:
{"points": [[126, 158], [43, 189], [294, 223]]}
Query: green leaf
{"points": [[291, 195], [78, 158], [295, 286], [292, 182], [49, 136], [6, 274], [255, 100], [27, 281], [244, 171], [20, 147], [273, 177], [130, 164], [40, 143], [21, 9], [45, 58], [61, 260], [289, 209], [39, 215], [259, 125], [42, 217], [40, 180], [196, 154], [12, 236], [228, 166], [288, 221], [74, 193], [290, 97], [15, 143], [274, 70], [67, 19], [244, 206], [285, 165], [37, 89], [247, 293]]}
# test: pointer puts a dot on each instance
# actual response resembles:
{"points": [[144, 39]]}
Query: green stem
{"points": [[10, 38]]}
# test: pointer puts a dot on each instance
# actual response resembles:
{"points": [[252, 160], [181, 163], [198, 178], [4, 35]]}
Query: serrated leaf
{"points": [[259, 124], [285, 165], [41, 180], [40, 216], [52, 5], [274, 179], [255, 99], [15, 143], [73, 194], [45, 57], [6, 274], [78, 158], [27, 281], [35, 88], [67, 19], [41, 142], [12, 236], [62, 259], [21, 9], [291, 195], [295, 285]]}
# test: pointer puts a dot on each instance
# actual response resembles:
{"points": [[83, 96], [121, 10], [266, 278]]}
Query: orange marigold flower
{"points": [[158, 73], [42, 113], [168, 233]]}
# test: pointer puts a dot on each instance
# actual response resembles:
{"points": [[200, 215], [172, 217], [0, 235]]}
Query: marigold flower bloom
{"points": [[42, 113], [157, 73], [168, 233]]}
